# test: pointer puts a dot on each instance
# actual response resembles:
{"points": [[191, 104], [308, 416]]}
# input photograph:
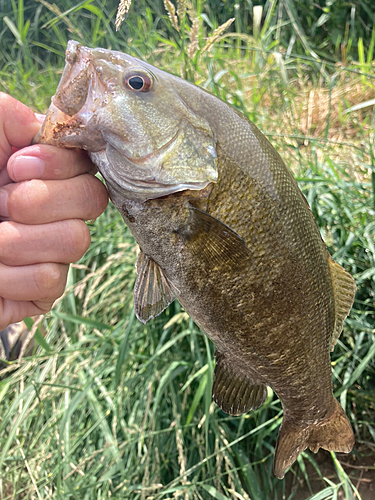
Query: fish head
{"points": [[134, 123]]}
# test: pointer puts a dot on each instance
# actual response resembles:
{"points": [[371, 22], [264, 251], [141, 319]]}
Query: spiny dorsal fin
{"points": [[152, 291], [234, 393], [344, 291]]}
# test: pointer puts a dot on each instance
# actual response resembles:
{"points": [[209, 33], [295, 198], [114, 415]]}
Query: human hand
{"points": [[46, 194]]}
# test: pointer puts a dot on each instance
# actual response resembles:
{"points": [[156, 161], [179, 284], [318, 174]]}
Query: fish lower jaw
{"points": [[142, 191], [121, 186]]}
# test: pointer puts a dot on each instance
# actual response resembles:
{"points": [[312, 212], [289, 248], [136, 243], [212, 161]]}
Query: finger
{"points": [[38, 282], [4, 177], [18, 126], [40, 202], [63, 242], [12, 311], [42, 161]]}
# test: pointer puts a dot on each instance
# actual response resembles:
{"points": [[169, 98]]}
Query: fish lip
{"points": [[81, 66]]}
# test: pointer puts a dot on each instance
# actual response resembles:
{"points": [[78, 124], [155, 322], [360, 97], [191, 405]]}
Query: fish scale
{"points": [[223, 227]]}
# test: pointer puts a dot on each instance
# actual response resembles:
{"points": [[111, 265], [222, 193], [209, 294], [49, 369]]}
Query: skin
{"points": [[46, 194]]}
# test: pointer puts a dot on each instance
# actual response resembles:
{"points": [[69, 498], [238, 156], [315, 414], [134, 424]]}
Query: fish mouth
{"points": [[77, 99], [79, 80]]}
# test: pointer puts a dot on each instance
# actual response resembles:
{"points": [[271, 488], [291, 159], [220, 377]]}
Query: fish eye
{"points": [[138, 81]]}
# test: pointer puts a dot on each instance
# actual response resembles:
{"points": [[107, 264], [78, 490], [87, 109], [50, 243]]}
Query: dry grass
{"points": [[315, 107]]}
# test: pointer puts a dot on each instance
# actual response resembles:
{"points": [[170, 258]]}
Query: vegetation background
{"points": [[109, 408]]}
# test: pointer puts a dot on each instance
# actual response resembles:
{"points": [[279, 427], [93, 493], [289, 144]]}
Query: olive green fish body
{"points": [[223, 227], [253, 300]]}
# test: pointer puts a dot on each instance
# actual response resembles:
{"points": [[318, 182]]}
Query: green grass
{"points": [[111, 408]]}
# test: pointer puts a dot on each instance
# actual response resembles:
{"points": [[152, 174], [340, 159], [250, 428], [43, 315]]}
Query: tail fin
{"points": [[334, 435]]}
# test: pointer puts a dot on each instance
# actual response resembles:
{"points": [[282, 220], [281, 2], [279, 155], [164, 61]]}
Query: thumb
{"points": [[18, 125]]}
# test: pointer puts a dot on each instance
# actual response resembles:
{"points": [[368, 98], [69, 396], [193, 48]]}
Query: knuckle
{"points": [[43, 307], [9, 237], [96, 195], [8, 103], [60, 162], [50, 280], [80, 161], [25, 199], [76, 239], [65, 163], [4, 314]]}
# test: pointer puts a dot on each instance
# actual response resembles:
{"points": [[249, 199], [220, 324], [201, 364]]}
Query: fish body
{"points": [[223, 227]]}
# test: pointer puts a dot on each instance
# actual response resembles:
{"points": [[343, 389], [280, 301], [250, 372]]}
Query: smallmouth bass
{"points": [[223, 227]]}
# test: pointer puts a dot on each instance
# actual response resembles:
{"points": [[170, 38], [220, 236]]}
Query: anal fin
{"points": [[153, 292], [344, 291], [234, 393]]}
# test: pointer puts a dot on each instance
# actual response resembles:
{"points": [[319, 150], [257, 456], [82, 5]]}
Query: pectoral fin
{"points": [[234, 393], [210, 239], [153, 293]]}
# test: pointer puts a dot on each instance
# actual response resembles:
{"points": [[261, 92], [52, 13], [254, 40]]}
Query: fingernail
{"points": [[3, 203], [24, 168]]}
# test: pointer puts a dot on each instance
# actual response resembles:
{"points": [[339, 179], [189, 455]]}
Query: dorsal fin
{"points": [[152, 291], [344, 291], [234, 393]]}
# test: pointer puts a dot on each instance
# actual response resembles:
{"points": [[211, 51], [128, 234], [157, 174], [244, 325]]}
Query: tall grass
{"points": [[110, 408]]}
